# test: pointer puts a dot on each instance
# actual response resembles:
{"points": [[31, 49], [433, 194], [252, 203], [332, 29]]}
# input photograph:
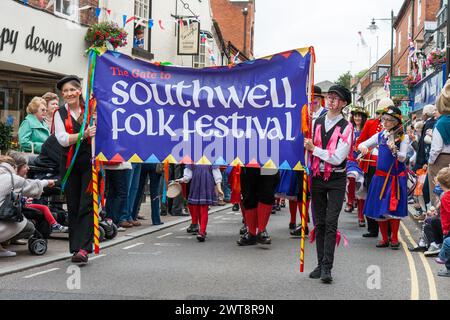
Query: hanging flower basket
{"points": [[106, 34], [410, 81], [435, 59]]}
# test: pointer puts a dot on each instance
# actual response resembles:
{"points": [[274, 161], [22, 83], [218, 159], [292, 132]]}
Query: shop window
{"points": [[142, 33], [67, 9]]}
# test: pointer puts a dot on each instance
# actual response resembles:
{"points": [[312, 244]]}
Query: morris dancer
{"points": [[355, 176], [387, 200], [330, 149], [368, 163], [258, 190], [202, 194]]}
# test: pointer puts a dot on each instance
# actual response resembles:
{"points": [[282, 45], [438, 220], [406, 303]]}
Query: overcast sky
{"points": [[330, 26]]}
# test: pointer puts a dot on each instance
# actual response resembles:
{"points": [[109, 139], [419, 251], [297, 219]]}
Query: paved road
{"points": [[170, 264]]}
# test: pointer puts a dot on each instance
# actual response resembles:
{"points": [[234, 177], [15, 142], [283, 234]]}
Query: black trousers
{"points": [[327, 198], [433, 231], [257, 187], [372, 225], [79, 204]]}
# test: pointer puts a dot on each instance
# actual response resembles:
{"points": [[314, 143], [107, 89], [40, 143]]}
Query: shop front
{"points": [[426, 91], [36, 50]]}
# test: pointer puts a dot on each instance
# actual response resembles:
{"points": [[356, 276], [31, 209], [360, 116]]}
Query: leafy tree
{"points": [[344, 79]]}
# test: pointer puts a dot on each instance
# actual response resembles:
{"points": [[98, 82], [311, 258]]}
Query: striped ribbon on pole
{"points": [[305, 168]]}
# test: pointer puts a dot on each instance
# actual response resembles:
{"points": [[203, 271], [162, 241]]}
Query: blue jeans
{"points": [[445, 252], [134, 186], [148, 169], [117, 198], [225, 186]]}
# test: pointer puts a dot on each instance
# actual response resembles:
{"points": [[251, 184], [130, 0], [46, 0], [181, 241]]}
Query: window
{"points": [[141, 36], [67, 9], [399, 42], [200, 60]]}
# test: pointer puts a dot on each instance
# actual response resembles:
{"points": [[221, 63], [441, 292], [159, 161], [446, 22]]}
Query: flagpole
{"points": [[305, 169]]}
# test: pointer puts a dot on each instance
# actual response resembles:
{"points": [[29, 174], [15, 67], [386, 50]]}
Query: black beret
{"points": [[66, 79], [342, 92]]}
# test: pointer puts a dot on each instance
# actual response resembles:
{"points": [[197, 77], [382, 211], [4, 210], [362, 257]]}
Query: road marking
{"points": [[40, 273], [426, 265], [412, 271], [184, 237], [165, 235], [215, 218], [133, 245], [166, 244], [97, 256], [146, 253], [184, 228]]}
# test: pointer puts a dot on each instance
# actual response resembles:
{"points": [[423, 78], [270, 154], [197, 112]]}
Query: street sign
{"points": [[397, 87]]}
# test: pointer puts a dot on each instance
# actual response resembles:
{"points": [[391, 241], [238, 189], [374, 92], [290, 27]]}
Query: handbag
{"points": [[11, 209]]}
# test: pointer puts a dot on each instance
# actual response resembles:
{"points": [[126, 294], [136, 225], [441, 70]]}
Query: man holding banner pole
{"points": [[330, 148]]}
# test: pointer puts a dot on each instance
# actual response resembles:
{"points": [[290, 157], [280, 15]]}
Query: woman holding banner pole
{"points": [[68, 123]]}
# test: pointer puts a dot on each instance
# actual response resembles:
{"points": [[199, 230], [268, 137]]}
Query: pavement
{"points": [[171, 264], [58, 244]]}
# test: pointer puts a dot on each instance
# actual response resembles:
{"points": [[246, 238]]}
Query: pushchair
{"points": [[53, 198]]}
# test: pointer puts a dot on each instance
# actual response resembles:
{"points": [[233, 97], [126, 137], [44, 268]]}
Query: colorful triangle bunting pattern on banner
{"points": [[101, 157], [270, 165], [285, 166], [298, 167], [186, 160], [253, 164], [236, 162], [170, 159], [204, 160], [220, 162], [135, 158], [152, 159], [117, 158]]}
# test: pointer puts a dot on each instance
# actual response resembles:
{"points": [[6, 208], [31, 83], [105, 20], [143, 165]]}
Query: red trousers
{"points": [[199, 214], [351, 191], [45, 210], [293, 205]]}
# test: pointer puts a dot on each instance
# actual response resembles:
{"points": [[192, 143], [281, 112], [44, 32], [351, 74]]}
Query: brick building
{"points": [[415, 21], [230, 16]]}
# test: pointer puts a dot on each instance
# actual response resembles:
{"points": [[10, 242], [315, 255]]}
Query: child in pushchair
{"points": [[40, 213]]}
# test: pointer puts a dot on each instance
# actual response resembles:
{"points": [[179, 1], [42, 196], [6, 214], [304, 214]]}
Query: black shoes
{"points": [[247, 240], [325, 275], [243, 230], [315, 274], [298, 231], [193, 228], [348, 209], [370, 235], [263, 238], [382, 244], [201, 237], [417, 249], [277, 208], [292, 226], [236, 207]]}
